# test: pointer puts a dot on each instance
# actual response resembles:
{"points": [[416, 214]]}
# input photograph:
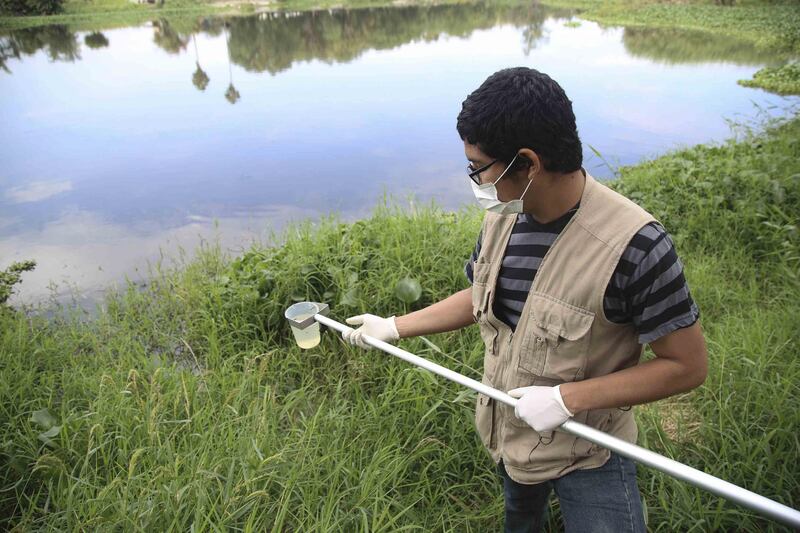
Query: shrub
{"points": [[30, 7]]}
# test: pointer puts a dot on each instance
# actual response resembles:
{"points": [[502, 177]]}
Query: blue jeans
{"points": [[595, 500]]}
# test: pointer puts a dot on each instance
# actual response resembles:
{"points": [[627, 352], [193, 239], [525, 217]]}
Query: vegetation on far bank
{"points": [[106, 14], [782, 80], [186, 405], [772, 26]]}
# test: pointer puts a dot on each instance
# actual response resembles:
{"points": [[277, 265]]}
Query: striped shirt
{"points": [[647, 289]]}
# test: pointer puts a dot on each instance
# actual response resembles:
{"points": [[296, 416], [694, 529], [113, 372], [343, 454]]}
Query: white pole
{"points": [[776, 511]]}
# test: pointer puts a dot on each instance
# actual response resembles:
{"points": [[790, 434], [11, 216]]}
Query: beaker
{"points": [[306, 337]]}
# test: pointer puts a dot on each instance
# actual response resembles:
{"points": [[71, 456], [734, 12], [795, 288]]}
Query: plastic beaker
{"points": [[307, 337]]}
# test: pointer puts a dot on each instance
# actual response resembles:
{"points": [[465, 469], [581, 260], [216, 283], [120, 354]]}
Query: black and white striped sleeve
{"points": [[473, 258], [648, 287]]}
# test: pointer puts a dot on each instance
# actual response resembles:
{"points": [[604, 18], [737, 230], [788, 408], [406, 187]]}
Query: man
{"points": [[569, 281]]}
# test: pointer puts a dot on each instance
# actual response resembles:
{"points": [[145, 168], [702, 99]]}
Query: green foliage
{"points": [[11, 276], [748, 191], [357, 267], [782, 80], [408, 290], [30, 7]]}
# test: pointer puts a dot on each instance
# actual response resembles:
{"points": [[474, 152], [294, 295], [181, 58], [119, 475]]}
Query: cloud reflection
{"points": [[83, 252], [37, 191]]}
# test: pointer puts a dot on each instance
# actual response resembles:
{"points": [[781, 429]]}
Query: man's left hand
{"points": [[542, 408]]}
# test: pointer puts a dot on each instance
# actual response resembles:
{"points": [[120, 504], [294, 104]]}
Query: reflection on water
{"points": [[672, 45], [272, 42], [117, 142]]}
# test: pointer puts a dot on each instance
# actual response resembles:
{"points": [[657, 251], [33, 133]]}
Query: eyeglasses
{"points": [[474, 174]]}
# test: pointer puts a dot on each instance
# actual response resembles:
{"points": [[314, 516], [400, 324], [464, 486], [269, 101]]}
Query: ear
{"points": [[535, 162]]}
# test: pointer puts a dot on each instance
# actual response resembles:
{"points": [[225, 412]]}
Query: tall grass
{"points": [[185, 405]]}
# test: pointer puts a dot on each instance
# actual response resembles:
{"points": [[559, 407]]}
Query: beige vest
{"points": [[562, 334]]}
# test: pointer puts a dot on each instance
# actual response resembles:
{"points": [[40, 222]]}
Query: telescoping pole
{"points": [[770, 508]]}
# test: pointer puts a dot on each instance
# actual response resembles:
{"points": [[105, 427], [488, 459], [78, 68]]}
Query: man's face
{"points": [[508, 188]]}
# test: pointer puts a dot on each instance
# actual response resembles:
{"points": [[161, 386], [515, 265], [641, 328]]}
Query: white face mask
{"points": [[486, 195]]}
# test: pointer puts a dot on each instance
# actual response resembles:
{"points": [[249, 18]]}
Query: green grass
{"points": [[782, 80], [185, 404]]}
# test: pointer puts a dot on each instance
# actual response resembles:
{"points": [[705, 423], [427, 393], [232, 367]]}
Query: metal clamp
{"points": [[322, 309]]}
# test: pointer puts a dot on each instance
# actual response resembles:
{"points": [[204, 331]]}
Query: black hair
{"points": [[522, 108]]}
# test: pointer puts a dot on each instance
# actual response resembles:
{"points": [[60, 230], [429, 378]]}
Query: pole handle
{"points": [[770, 508]]}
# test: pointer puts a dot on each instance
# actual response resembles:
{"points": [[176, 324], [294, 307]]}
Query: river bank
{"points": [[185, 404]]}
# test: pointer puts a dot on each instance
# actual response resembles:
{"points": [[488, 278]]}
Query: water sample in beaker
{"points": [[307, 337]]}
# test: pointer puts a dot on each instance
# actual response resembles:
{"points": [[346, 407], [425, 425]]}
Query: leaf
{"points": [[350, 297], [43, 418], [408, 290], [47, 436], [52, 432]]}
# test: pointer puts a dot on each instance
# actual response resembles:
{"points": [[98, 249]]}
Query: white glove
{"points": [[542, 408], [374, 326]]}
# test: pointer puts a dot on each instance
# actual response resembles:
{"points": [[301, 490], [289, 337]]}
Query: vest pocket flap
{"points": [[560, 318], [481, 270]]}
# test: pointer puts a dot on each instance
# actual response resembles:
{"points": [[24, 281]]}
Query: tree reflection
{"points": [[57, 42], [272, 42], [231, 95], [670, 45], [165, 36], [199, 78], [95, 40]]}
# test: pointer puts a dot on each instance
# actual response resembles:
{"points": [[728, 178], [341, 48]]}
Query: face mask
{"points": [[487, 196]]}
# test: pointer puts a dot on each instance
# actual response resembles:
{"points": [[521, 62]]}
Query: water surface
{"points": [[121, 145]]}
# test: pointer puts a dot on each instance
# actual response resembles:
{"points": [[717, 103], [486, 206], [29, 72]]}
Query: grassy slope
{"points": [[186, 404]]}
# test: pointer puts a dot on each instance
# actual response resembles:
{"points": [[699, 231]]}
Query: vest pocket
{"points": [[480, 289], [481, 294], [485, 418], [597, 418], [556, 340]]}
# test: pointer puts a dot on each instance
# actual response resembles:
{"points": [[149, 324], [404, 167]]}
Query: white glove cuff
{"points": [[557, 394], [395, 333]]}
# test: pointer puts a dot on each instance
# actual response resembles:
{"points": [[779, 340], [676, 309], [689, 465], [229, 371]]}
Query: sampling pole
{"points": [[770, 508]]}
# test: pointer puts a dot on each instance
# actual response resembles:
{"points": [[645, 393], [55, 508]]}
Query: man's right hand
{"points": [[372, 325]]}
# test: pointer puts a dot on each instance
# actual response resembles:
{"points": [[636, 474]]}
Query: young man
{"points": [[569, 281]]}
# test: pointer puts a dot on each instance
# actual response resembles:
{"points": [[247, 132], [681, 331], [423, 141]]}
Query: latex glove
{"points": [[542, 408], [374, 326]]}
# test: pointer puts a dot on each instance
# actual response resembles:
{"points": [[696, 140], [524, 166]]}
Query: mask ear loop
{"points": [[506, 170], [530, 181]]}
